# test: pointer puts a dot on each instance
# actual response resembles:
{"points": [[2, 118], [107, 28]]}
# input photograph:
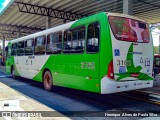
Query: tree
{"points": [[156, 49], [154, 26]]}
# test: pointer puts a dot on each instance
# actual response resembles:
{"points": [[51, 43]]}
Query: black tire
{"points": [[13, 73], [47, 81]]}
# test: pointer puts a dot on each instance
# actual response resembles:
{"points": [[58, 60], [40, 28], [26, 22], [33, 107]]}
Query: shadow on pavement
{"points": [[65, 99]]}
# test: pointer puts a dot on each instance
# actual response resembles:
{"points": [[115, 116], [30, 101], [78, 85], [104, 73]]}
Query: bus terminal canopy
{"points": [[23, 17]]}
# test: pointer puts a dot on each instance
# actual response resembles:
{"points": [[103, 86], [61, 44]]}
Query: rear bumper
{"points": [[111, 86]]}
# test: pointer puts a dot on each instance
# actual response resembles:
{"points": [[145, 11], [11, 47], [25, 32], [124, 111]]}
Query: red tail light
{"points": [[134, 75], [110, 70]]}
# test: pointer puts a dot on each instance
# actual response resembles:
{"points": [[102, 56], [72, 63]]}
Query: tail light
{"points": [[110, 70], [135, 75]]}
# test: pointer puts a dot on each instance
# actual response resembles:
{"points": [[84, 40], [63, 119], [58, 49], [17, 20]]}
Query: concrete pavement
{"points": [[17, 101], [28, 95], [11, 99], [154, 92]]}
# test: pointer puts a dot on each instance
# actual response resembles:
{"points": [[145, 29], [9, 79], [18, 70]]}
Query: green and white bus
{"points": [[103, 53]]}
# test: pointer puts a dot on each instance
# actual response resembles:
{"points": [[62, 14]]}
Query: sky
{"points": [[155, 36], [3, 4]]}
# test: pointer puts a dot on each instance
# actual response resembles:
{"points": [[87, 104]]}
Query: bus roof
{"points": [[66, 26], [44, 32]]}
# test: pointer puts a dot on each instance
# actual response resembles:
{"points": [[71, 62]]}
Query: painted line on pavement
{"points": [[148, 92], [5, 76], [126, 95]]}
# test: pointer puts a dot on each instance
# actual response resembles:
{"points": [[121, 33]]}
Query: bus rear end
{"points": [[132, 49]]}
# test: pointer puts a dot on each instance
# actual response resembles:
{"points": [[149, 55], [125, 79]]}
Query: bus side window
{"points": [[67, 41], [40, 45], [93, 38], [54, 43], [74, 40], [29, 47], [20, 48], [14, 49]]}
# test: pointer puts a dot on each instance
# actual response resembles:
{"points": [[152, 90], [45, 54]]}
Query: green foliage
{"points": [[156, 50], [158, 27]]}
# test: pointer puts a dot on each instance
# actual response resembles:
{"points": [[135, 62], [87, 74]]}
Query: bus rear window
{"points": [[130, 30]]}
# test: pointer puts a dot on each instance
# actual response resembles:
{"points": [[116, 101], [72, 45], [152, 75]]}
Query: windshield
{"points": [[130, 30]]}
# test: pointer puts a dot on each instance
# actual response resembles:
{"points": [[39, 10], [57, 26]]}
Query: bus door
{"points": [[27, 60], [19, 59], [39, 52], [132, 49]]}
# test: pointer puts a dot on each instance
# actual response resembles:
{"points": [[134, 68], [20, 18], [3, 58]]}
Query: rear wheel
{"points": [[47, 81], [13, 73]]}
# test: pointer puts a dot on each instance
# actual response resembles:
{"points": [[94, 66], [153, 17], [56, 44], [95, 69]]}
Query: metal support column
{"points": [[19, 34], [48, 22], [3, 48], [159, 43], [128, 7]]}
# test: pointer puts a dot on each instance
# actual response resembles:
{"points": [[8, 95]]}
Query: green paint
{"points": [[67, 70], [68, 66], [132, 68]]}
